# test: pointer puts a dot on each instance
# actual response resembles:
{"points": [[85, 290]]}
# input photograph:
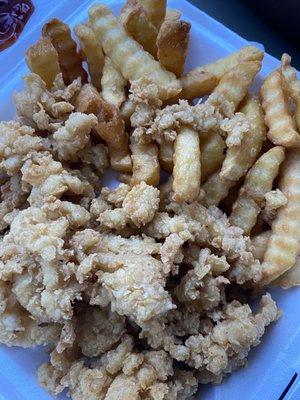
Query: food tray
{"points": [[274, 365]]}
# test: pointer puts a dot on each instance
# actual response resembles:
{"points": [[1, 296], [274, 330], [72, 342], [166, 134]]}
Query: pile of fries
{"points": [[142, 291]]}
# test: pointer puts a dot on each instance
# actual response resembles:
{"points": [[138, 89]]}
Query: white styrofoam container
{"points": [[274, 363]]}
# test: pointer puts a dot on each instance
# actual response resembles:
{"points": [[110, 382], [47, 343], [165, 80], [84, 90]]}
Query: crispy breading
{"points": [[73, 136]]}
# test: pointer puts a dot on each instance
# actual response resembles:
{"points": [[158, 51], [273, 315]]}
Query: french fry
{"points": [[291, 84], [195, 84], [258, 182], [136, 22], [128, 55], [220, 67], [156, 11], [238, 158], [172, 13], [172, 45], [234, 84], [212, 149], [145, 165], [126, 111], [260, 243], [290, 278], [70, 63], [88, 100], [216, 189], [93, 53], [42, 59], [113, 84], [166, 152], [110, 126], [278, 116], [283, 246], [187, 168]]}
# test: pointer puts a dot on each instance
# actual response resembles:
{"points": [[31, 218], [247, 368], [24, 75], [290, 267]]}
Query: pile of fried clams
{"points": [[133, 292]]}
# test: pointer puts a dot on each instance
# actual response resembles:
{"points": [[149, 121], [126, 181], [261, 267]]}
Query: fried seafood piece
{"points": [[223, 344], [101, 251], [121, 373], [16, 142], [46, 297], [136, 289], [49, 178], [138, 207], [73, 136], [116, 196], [69, 60], [17, 328], [61, 91], [203, 287], [141, 203], [133, 62], [134, 279], [230, 341], [13, 196], [171, 253], [98, 330], [94, 159], [110, 126], [211, 227], [43, 109], [37, 233], [203, 117]]}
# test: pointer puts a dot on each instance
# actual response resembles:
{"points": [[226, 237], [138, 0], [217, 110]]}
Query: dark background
{"points": [[274, 23]]}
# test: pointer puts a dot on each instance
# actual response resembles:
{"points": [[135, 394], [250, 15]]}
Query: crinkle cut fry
{"points": [[212, 154], [110, 126], [113, 84], [219, 67], [290, 278], [128, 55], [136, 22], [292, 84], [234, 84], [258, 182], [172, 45], [238, 159], [93, 53], [70, 63], [278, 117], [187, 168], [42, 59], [156, 10], [195, 84], [145, 165], [283, 246]]}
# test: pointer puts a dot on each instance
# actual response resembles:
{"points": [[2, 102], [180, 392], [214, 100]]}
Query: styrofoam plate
{"points": [[274, 363]]}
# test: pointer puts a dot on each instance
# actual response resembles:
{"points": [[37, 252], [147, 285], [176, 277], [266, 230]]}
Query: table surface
{"points": [[246, 21]]}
